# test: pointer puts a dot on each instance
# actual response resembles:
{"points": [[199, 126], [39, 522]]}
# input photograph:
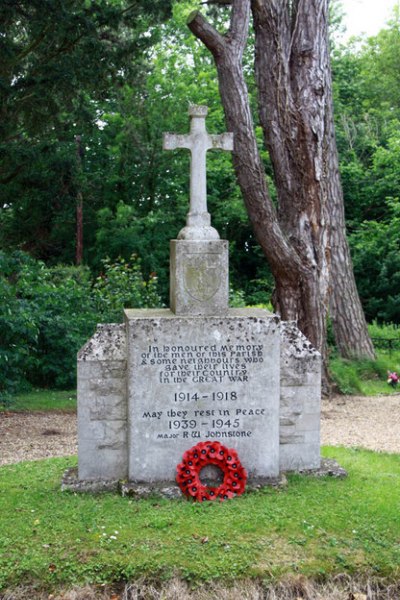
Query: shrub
{"points": [[18, 329], [122, 285], [46, 314]]}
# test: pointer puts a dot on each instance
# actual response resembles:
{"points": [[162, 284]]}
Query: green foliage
{"points": [[47, 313], [122, 285], [316, 527], [360, 376], [46, 316], [60, 55], [380, 60], [384, 331], [18, 330], [236, 298], [107, 70], [368, 377], [367, 106], [376, 256], [63, 64], [135, 195]]}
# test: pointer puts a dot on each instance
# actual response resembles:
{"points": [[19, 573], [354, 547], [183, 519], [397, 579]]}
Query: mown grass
{"points": [[41, 400], [315, 527]]}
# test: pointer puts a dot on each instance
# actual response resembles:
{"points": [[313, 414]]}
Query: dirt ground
{"points": [[367, 422]]}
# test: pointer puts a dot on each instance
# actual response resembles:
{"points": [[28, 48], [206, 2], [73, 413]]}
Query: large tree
{"points": [[303, 238], [63, 64], [59, 56]]}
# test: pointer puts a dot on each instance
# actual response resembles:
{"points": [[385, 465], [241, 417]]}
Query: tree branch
{"points": [[210, 37], [32, 46], [239, 28]]}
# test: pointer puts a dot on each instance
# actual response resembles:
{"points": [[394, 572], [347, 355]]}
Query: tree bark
{"points": [[293, 75], [79, 205], [348, 319], [290, 59]]}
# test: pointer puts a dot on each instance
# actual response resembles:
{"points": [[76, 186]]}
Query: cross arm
{"points": [[171, 141], [223, 141]]}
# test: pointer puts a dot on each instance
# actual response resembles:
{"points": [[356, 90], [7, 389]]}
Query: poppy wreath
{"points": [[211, 453]]}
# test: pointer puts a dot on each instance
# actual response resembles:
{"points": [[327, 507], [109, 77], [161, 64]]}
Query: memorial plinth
{"points": [[167, 379]]}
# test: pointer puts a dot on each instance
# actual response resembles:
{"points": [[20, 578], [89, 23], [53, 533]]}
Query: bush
{"points": [[18, 329], [376, 256], [60, 298], [121, 285], [46, 314]]}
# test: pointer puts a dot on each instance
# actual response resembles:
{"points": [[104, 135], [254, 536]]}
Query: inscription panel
{"points": [[193, 379]]}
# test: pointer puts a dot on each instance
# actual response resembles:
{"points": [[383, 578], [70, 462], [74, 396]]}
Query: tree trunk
{"points": [[347, 315], [296, 247], [348, 320], [290, 59], [79, 205], [305, 240]]}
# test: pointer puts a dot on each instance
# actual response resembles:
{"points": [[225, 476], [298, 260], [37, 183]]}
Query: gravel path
{"points": [[368, 422], [371, 422]]}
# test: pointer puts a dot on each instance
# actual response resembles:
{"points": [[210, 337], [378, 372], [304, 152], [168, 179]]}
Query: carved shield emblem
{"points": [[202, 276]]}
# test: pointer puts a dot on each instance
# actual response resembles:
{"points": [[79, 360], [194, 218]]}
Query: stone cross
{"points": [[198, 141]]}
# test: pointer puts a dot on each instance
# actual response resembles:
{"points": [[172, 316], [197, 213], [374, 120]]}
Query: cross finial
{"points": [[198, 141]]}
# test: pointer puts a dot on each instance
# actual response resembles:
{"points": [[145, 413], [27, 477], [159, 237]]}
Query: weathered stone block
{"points": [[107, 369], [294, 457], [300, 400], [199, 277], [102, 405], [291, 438], [196, 378], [110, 408], [309, 422]]}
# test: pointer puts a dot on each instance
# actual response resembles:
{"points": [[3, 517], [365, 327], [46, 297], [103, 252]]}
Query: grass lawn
{"points": [[315, 527], [41, 400], [365, 377]]}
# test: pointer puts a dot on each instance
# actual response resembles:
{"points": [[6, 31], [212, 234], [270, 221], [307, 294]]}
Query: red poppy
{"points": [[221, 453], [191, 457]]}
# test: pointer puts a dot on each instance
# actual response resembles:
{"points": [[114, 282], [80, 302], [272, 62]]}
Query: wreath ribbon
{"points": [[211, 453]]}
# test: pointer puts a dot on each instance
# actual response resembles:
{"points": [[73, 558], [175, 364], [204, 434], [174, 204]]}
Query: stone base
{"points": [[135, 382], [169, 489], [71, 483], [328, 468]]}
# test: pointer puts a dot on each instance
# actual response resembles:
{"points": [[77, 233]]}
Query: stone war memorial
{"points": [[166, 380]]}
